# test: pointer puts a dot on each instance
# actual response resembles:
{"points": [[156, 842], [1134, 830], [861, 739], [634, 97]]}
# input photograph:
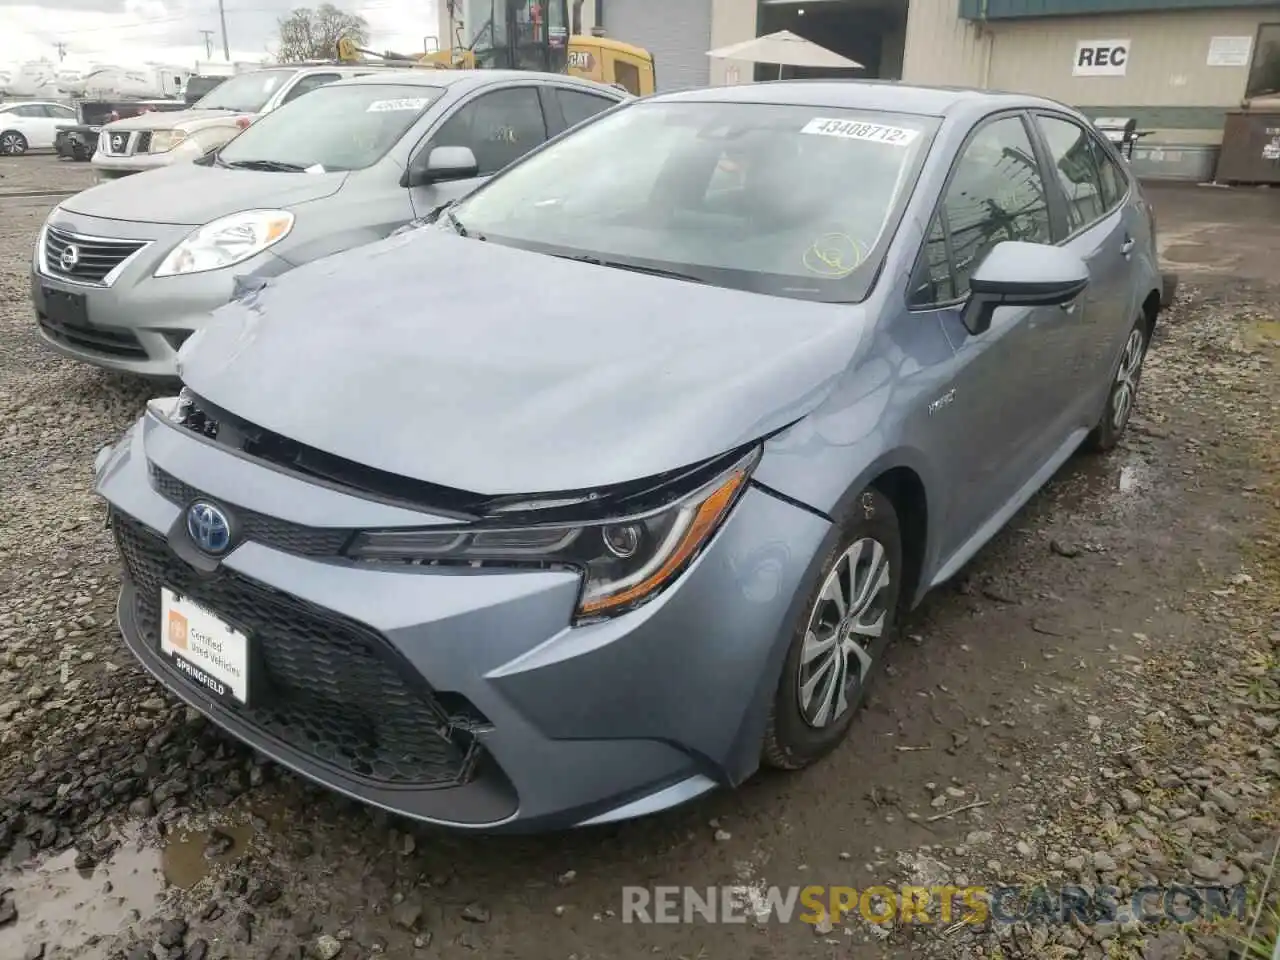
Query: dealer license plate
{"points": [[208, 652]]}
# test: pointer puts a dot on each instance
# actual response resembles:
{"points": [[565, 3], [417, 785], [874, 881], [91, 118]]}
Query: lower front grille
{"points": [[330, 688], [105, 340]]}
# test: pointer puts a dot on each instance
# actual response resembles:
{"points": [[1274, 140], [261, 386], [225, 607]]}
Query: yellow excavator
{"points": [[525, 35]]}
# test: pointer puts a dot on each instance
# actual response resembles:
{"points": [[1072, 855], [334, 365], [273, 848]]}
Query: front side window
{"points": [[246, 93], [499, 127], [786, 200], [1071, 151], [1114, 181], [995, 194], [333, 128]]}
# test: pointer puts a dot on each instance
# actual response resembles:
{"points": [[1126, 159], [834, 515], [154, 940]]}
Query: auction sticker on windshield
{"points": [[206, 651], [405, 103], [857, 130]]}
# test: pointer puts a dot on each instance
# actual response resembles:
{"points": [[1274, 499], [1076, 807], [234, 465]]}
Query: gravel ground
{"points": [[1095, 701]]}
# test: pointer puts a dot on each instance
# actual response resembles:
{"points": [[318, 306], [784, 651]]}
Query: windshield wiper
{"points": [[276, 166], [633, 267], [458, 227]]}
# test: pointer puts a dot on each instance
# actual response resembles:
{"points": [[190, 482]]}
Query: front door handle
{"points": [[1126, 248]]}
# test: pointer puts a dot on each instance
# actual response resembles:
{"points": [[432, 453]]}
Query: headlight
{"points": [[162, 141], [625, 562], [226, 242], [42, 237]]}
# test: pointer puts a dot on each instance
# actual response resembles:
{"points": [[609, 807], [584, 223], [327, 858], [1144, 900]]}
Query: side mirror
{"points": [[441, 164], [1018, 274]]}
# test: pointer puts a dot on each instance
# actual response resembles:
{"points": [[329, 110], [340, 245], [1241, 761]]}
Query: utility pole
{"points": [[208, 43], [222, 16], [62, 51]]}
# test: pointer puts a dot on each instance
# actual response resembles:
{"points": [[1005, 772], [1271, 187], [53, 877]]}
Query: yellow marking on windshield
{"points": [[834, 256]]}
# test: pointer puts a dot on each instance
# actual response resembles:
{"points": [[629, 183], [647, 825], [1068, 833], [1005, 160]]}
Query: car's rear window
{"points": [[336, 127]]}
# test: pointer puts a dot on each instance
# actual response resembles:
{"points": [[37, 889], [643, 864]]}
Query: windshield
{"points": [[785, 200], [331, 128], [246, 93]]}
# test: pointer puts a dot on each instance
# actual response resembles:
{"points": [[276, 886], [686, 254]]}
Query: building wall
{"points": [[677, 33], [732, 21], [1168, 85], [941, 48]]}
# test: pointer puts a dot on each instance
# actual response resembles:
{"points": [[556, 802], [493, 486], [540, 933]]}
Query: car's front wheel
{"points": [[1124, 390], [12, 144], [839, 637]]}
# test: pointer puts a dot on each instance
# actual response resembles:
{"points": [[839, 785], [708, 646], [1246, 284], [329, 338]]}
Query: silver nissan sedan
{"points": [[610, 483]]}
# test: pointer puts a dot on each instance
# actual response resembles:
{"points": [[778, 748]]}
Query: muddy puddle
{"points": [[74, 911]]}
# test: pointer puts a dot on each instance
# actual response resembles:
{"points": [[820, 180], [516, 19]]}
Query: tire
{"points": [[800, 728], [1122, 396], [12, 144]]}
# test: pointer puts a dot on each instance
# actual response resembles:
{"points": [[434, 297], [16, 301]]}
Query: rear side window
{"points": [[1071, 151], [499, 127], [996, 193], [307, 84], [578, 106]]}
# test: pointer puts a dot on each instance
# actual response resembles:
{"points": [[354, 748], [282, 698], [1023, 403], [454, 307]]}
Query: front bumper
{"points": [[464, 696], [133, 322]]}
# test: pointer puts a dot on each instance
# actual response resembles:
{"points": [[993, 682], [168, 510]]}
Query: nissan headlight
{"points": [[42, 237], [162, 141], [624, 562], [227, 241]]}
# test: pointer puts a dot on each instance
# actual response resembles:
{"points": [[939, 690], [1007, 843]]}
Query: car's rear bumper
{"points": [[546, 725]]}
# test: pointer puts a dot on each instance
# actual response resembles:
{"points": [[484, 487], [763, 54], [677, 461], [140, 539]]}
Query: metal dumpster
{"points": [[1190, 162], [1251, 146]]}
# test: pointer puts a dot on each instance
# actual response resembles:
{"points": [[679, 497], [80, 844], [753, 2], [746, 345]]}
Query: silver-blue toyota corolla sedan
{"points": [[609, 484]]}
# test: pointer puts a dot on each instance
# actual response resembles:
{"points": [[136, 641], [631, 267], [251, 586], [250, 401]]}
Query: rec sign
{"points": [[1101, 58]]}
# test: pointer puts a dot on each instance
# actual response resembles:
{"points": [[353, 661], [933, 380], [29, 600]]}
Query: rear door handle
{"points": [[1126, 248]]}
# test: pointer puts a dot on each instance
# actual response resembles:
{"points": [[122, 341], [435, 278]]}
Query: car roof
{"points": [[879, 95], [427, 77]]}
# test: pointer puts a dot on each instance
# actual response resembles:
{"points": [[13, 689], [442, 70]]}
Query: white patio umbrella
{"points": [[784, 48]]}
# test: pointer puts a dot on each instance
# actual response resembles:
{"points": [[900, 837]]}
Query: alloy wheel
{"points": [[849, 614], [1126, 385], [12, 145]]}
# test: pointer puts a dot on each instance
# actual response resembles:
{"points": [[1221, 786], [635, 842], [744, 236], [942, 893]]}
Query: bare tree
{"points": [[307, 34]]}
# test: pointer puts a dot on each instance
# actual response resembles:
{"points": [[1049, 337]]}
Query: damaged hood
{"points": [[501, 371]]}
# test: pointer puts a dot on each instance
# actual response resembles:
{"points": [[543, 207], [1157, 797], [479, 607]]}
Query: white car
{"points": [[31, 125]]}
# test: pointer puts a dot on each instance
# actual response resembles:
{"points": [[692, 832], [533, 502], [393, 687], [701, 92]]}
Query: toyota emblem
{"points": [[69, 257], [208, 527]]}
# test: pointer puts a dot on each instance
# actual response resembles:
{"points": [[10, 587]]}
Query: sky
{"points": [[131, 33]]}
